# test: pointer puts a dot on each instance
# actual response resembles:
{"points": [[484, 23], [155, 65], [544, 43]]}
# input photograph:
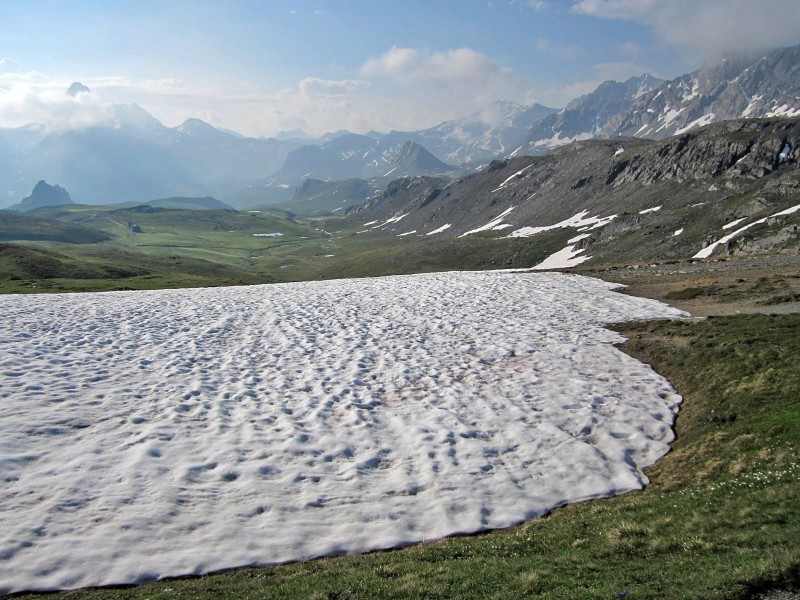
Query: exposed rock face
{"points": [[42, 195], [733, 87], [314, 196], [413, 159], [748, 86], [629, 199], [584, 116]]}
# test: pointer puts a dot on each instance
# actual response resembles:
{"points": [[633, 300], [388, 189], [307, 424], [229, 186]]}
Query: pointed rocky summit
{"points": [[43, 194]]}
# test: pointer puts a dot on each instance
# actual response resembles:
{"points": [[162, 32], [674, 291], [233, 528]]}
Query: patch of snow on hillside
{"points": [[496, 223], [678, 232], [579, 221], [578, 238], [650, 210], [668, 117], [439, 230], [706, 119], [753, 106], [734, 223], [511, 178], [557, 140], [708, 250], [563, 259], [163, 433], [784, 111], [413, 231], [389, 221]]}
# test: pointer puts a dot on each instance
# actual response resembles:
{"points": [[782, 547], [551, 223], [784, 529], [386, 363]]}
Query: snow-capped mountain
{"points": [[585, 117], [413, 159], [133, 156], [764, 85], [481, 136], [686, 196]]}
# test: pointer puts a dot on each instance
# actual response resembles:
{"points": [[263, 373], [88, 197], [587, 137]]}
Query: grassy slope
{"points": [[719, 519], [176, 249], [202, 248]]}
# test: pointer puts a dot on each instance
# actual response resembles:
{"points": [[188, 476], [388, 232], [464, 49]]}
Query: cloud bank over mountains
{"points": [[396, 84], [709, 26]]}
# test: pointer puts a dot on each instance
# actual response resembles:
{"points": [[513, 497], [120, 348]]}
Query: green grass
{"points": [[719, 519], [180, 248]]}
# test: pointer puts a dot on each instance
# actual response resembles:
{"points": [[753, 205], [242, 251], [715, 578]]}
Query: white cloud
{"points": [[403, 89], [557, 95], [311, 85], [710, 26], [566, 51], [539, 5], [410, 66], [30, 98], [440, 85], [7, 65], [621, 70]]}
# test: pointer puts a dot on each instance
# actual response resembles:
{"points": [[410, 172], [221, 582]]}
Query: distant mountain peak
{"points": [[77, 88], [198, 128], [43, 194], [413, 158]]}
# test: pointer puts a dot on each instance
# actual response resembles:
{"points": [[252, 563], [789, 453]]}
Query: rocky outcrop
{"points": [[413, 159], [315, 196], [43, 195], [625, 200], [734, 87], [584, 116]]}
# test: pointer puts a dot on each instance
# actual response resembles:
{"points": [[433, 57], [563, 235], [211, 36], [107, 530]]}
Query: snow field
{"points": [[153, 434]]}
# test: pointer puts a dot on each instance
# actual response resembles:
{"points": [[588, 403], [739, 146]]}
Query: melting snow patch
{"points": [[678, 232], [619, 151], [162, 433], [708, 250], [388, 221], [700, 122], [413, 231], [563, 259], [579, 221], [440, 229], [733, 223], [788, 211], [509, 179], [496, 223], [269, 235], [784, 111], [650, 210]]}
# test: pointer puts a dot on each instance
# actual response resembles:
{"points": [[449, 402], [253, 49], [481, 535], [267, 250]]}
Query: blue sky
{"points": [[321, 65]]}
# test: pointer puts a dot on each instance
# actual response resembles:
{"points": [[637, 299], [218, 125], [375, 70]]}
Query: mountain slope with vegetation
{"points": [[629, 200]]}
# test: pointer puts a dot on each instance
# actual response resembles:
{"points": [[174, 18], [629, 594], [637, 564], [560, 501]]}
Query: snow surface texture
{"points": [[150, 434]]}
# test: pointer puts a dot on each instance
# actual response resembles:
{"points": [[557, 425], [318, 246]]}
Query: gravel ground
{"points": [[765, 284]]}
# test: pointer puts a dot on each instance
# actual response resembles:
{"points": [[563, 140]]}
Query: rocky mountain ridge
{"points": [[620, 201], [732, 87], [585, 116], [134, 156], [43, 194]]}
